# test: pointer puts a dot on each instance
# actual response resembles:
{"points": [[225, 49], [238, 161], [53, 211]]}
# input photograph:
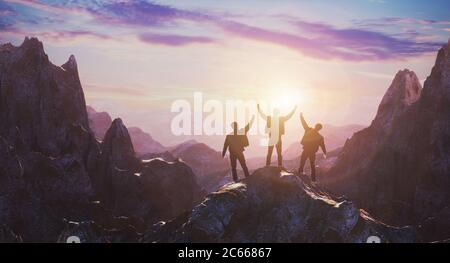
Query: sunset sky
{"points": [[136, 57]]}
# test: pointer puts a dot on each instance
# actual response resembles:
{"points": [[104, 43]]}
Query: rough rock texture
{"points": [[399, 168], [8, 236], [152, 190], [47, 150], [53, 170], [160, 191], [90, 232], [274, 206], [48, 105]]}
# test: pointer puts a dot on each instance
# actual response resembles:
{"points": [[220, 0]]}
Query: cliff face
{"points": [[43, 101], [399, 167]]}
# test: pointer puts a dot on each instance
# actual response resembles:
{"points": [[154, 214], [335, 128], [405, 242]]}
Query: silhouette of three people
{"points": [[237, 140]]}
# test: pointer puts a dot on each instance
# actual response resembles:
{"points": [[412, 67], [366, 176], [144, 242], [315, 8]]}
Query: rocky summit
{"points": [[273, 205]]}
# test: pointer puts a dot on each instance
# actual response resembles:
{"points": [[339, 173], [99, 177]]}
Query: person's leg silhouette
{"points": [[241, 159], [303, 158], [312, 162], [279, 154], [269, 155], [233, 167]]}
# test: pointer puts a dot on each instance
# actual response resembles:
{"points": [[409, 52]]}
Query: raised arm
{"points": [[225, 147], [249, 125], [261, 113], [304, 124], [287, 117]]}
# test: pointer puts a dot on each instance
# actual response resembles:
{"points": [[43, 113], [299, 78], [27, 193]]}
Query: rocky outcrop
{"points": [[274, 206], [399, 168], [48, 105], [47, 150], [160, 191], [152, 190], [53, 170]]}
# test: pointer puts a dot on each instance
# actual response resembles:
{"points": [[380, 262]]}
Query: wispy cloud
{"points": [[174, 40], [390, 21], [316, 40]]}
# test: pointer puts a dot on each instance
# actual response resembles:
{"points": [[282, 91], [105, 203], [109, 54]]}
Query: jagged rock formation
{"points": [[48, 106], [52, 169], [46, 146], [399, 167], [274, 206]]}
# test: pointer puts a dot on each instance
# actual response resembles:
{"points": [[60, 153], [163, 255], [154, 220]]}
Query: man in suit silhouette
{"points": [[275, 128], [311, 142], [235, 143]]}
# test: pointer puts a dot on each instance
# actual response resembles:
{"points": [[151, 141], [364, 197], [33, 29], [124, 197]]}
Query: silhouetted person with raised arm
{"points": [[275, 127], [311, 142], [236, 143]]}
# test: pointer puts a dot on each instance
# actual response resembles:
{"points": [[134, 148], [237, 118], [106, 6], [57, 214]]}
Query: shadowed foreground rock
{"points": [[274, 206]]}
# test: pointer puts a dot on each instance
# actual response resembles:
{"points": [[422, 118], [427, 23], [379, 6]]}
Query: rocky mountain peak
{"points": [[48, 102], [437, 85], [118, 146], [71, 65], [32, 47], [404, 90]]}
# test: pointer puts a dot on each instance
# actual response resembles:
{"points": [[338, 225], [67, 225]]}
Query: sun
{"points": [[287, 97]]}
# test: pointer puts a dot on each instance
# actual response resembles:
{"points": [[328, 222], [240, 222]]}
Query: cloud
{"points": [[142, 13], [68, 35], [392, 21], [316, 40], [327, 42], [174, 40]]}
